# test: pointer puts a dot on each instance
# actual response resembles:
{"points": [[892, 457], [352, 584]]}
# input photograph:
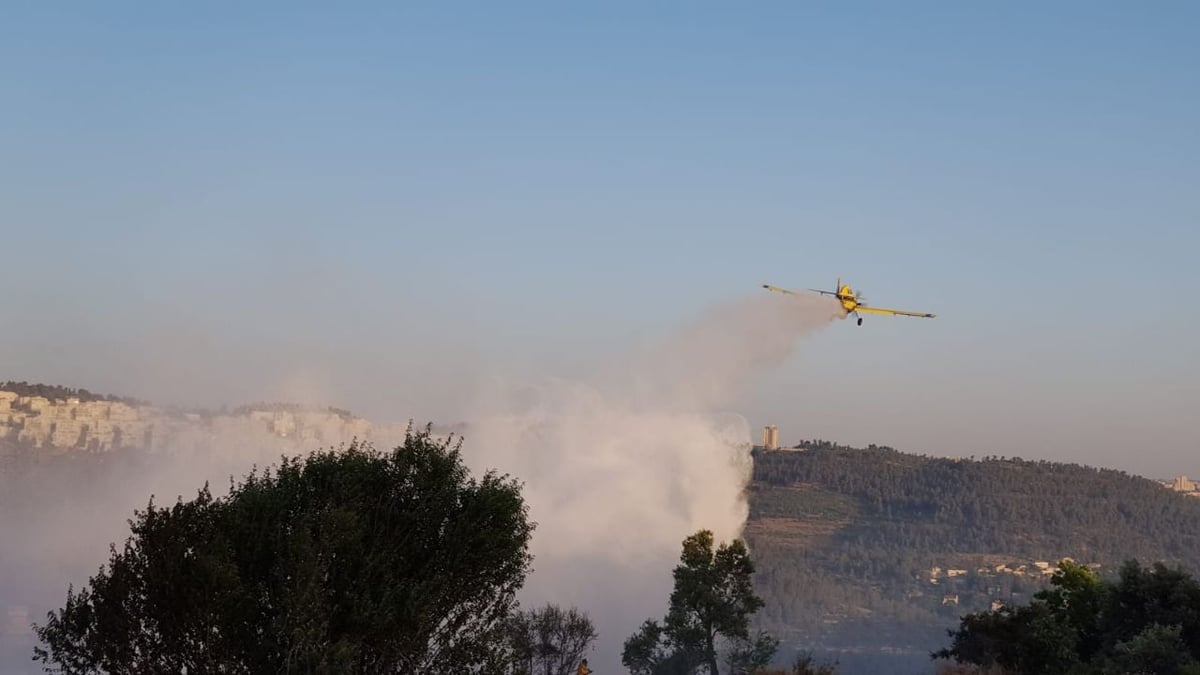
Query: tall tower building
{"points": [[771, 437]]}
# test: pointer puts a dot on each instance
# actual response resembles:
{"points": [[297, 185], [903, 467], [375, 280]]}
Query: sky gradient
{"points": [[377, 206]]}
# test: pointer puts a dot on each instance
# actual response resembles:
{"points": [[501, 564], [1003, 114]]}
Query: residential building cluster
{"points": [[58, 426], [1034, 569], [1183, 485]]}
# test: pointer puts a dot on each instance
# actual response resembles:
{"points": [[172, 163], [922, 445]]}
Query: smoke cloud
{"points": [[619, 470]]}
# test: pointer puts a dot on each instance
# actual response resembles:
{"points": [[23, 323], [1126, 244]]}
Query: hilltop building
{"points": [[770, 437], [770, 442], [1183, 485]]}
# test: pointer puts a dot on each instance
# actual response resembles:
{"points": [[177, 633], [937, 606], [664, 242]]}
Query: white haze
{"points": [[617, 470]]}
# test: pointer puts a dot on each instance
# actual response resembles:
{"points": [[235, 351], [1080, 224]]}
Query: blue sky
{"points": [[202, 203]]}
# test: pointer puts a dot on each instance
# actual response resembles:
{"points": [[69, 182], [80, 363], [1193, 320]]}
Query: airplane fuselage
{"points": [[848, 298]]}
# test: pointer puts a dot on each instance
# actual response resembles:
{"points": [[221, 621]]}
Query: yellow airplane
{"points": [[852, 302]]}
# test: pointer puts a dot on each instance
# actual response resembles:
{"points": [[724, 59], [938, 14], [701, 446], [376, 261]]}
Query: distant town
{"points": [[58, 420], [1181, 483]]}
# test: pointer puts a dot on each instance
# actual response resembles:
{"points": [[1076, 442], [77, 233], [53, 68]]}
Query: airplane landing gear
{"points": [[860, 320]]}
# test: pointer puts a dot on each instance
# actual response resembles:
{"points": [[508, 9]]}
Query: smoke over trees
{"points": [[617, 467]]}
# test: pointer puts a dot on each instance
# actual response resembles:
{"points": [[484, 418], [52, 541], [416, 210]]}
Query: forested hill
{"points": [[873, 548], [1017, 507]]}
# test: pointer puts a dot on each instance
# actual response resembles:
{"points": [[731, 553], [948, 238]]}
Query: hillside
{"points": [[874, 551]]}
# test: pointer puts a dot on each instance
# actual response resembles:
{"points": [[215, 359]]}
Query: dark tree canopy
{"points": [[712, 602], [342, 561], [549, 640], [1148, 620]]}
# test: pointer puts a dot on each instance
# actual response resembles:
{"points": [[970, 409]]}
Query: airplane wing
{"points": [[784, 290], [881, 310]]}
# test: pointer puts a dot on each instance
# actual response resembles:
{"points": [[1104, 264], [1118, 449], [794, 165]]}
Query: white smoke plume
{"points": [[619, 470]]}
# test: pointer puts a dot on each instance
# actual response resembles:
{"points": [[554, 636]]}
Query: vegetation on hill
{"points": [[860, 548], [55, 392], [1017, 507], [291, 408]]}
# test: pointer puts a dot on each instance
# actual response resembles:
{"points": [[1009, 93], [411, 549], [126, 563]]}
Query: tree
{"points": [[748, 656], [1157, 649], [1146, 621], [342, 561], [549, 640], [713, 599]]}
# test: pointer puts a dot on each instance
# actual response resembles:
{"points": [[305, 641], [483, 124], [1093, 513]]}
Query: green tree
{"points": [[549, 640], [649, 652], [1157, 649], [342, 561], [1025, 639], [1143, 622], [1077, 597], [748, 656], [713, 599]]}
